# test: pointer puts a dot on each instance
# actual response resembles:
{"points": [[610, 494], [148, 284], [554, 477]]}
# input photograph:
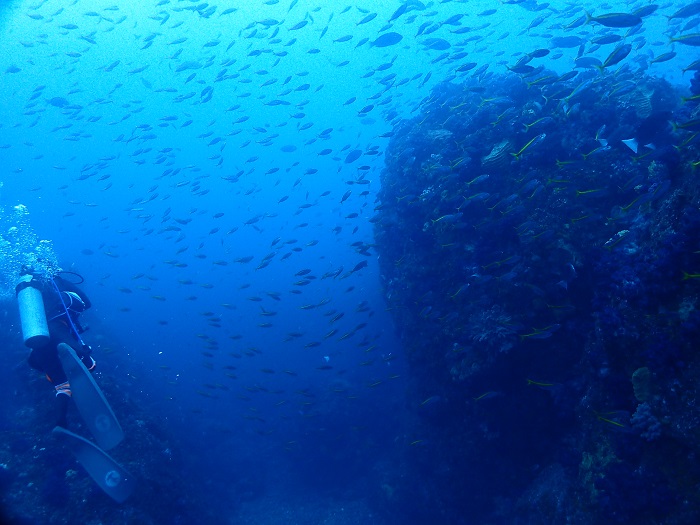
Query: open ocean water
{"points": [[368, 263]]}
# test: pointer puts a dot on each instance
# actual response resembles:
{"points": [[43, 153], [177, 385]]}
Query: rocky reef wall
{"points": [[540, 253]]}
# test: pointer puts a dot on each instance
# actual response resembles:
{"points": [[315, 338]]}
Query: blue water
{"points": [[212, 172]]}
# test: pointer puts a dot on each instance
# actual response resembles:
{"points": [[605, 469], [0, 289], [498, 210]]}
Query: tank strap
{"points": [[68, 316]]}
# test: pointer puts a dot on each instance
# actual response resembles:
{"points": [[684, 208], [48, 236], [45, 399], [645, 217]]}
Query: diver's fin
{"points": [[114, 479], [91, 403]]}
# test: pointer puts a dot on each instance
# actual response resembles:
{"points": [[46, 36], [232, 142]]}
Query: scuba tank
{"points": [[35, 329]]}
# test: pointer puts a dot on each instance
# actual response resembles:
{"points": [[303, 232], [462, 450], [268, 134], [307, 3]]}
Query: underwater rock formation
{"points": [[539, 244]]}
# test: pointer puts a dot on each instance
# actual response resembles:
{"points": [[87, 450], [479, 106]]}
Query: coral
{"points": [[645, 422], [641, 379], [632, 495], [687, 307], [695, 83], [491, 328]]}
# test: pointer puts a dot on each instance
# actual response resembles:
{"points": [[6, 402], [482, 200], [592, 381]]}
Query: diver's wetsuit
{"points": [[45, 358]]}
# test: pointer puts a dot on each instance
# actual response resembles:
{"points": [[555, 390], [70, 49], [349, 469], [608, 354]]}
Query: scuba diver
{"points": [[63, 304], [50, 308]]}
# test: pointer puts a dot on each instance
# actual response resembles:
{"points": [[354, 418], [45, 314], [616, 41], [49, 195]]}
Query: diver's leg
{"points": [[45, 359]]}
